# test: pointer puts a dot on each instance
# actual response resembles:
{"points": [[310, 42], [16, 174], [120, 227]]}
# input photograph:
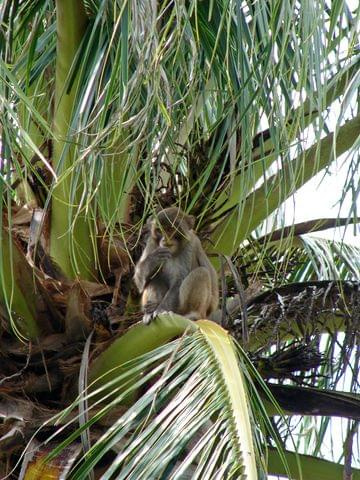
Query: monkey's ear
{"points": [[190, 220]]}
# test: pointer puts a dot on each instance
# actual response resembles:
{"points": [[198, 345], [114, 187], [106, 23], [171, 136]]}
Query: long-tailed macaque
{"points": [[174, 274]]}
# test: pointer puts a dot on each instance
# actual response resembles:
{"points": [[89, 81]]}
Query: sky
{"points": [[319, 198]]}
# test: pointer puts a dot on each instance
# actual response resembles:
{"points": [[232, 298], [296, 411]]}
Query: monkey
{"points": [[174, 273]]}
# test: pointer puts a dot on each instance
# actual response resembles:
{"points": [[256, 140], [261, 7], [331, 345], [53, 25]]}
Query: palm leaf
{"points": [[311, 467], [224, 108], [184, 423]]}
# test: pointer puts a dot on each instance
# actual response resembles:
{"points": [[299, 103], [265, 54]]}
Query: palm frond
{"points": [[193, 417]]}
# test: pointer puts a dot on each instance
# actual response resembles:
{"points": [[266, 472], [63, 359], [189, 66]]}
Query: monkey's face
{"points": [[170, 229], [173, 238]]}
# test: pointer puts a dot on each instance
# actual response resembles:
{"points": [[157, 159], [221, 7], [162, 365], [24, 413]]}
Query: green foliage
{"points": [[153, 94], [110, 108], [190, 421]]}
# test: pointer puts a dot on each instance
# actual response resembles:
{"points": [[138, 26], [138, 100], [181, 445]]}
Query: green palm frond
{"points": [[109, 109], [194, 418], [329, 260], [286, 257], [162, 94]]}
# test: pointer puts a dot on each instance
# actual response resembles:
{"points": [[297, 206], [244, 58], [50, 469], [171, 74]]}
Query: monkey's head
{"points": [[170, 228]]}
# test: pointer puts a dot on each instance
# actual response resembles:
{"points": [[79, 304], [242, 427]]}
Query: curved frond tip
{"points": [[224, 352]]}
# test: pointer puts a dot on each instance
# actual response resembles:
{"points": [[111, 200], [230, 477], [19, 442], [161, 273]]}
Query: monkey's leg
{"points": [[195, 294], [150, 301], [170, 301]]}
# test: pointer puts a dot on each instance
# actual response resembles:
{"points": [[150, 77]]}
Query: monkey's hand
{"points": [[161, 254], [154, 262], [148, 267]]}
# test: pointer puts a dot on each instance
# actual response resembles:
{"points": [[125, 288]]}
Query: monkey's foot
{"points": [[162, 312], [150, 307], [149, 312], [147, 317]]}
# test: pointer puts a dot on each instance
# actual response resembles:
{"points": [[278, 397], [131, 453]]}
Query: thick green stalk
{"points": [[312, 468], [265, 199], [18, 295], [70, 241], [139, 339], [336, 87], [115, 187]]}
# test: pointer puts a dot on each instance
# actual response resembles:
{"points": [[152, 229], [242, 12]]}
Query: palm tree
{"points": [[226, 109]]}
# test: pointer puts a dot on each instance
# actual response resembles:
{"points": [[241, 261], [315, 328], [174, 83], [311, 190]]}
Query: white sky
{"points": [[320, 199]]}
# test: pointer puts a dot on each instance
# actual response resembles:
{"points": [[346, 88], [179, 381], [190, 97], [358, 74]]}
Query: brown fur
{"points": [[174, 273]]}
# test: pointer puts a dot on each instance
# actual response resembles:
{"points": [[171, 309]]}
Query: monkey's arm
{"points": [[149, 265]]}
